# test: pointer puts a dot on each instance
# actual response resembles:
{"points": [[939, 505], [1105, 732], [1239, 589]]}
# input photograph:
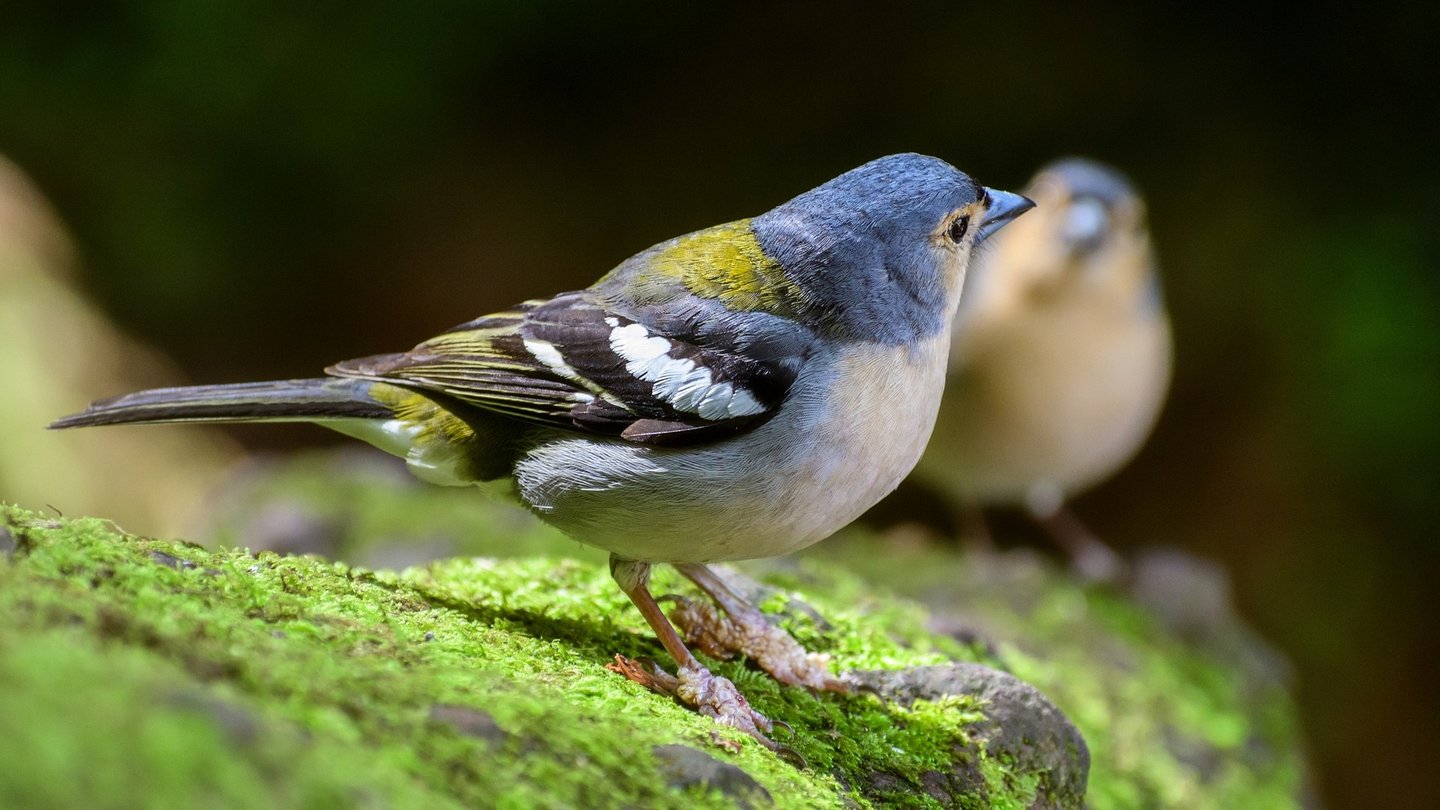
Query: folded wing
{"points": [[573, 363]]}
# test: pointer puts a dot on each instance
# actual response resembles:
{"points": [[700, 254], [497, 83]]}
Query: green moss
{"points": [[1009, 790], [1169, 723], [156, 673], [335, 670]]}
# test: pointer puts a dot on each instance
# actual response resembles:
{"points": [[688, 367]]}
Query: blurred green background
{"points": [[261, 188]]}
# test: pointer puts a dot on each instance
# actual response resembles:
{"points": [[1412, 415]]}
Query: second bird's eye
{"points": [[958, 228]]}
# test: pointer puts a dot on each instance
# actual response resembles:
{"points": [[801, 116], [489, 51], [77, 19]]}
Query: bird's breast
{"points": [[1060, 398], [876, 421], [854, 424]]}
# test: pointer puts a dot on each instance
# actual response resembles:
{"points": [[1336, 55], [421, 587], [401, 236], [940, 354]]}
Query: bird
{"points": [[1061, 358], [738, 392]]}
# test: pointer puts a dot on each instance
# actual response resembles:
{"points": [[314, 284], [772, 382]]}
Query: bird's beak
{"points": [[1004, 206]]}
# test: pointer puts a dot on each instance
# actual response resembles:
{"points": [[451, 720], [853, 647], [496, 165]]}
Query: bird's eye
{"points": [[958, 228]]}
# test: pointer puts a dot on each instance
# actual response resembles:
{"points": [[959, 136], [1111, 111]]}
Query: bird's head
{"points": [[879, 253], [1087, 240]]}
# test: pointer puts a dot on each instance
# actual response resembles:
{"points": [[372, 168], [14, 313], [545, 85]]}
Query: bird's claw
{"points": [[714, 696], [721, 635], [699, 688], [792, 756]]}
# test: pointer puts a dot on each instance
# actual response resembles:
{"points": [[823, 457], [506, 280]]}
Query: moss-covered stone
{"points": [[142, 672], [254, 679], [1173, 717], [1179, 704]]}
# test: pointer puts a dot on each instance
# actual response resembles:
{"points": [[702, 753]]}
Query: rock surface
{"points": [[684, 767], [1021, 726]]}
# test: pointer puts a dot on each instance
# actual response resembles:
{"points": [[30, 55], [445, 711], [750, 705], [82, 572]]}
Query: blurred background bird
{"points": [[1060, 359]]}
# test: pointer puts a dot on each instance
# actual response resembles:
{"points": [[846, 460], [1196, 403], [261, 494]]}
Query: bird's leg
{"points": [[695, 686], [969, 517], [1089, 556], [740, 627]]}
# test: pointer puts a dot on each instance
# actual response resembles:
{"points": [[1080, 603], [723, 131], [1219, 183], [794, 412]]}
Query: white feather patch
{"points": [[549, 355], [743, 404], [686, 386]]}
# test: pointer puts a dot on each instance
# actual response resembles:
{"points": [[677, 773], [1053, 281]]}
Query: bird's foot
{"points": [[1098, 563], [714, 696], [703, 691], [721, 634], [1091, 560]]}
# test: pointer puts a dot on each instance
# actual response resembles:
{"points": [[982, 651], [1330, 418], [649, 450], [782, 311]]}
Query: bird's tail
{"points": [[281, 401]]}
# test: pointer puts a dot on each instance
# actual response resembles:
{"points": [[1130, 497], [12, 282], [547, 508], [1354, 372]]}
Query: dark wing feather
{"points": [[572, 363]]}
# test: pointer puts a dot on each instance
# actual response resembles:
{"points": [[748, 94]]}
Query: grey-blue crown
{"points": [[859, 246], [1086, 178]]}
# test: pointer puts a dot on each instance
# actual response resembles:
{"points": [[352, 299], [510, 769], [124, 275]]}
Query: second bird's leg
{"points": [[969, 518], [695, 685], [1089, 556], [740, 627]]}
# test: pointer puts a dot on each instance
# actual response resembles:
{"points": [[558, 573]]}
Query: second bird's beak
{"points": [[1004, 206]]}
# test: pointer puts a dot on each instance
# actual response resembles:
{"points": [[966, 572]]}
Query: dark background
{"points": [[262, 188]]}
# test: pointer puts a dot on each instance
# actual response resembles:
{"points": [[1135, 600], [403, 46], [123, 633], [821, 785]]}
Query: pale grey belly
{"points": [[846, 437], [676, 505]]}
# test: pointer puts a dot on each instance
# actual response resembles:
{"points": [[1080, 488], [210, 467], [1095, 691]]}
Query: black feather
{"points": [[279, 401]]}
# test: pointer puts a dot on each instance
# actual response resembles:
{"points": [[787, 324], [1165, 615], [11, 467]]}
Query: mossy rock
{"points": [[1181, 705], [235, 679], [137, 672]]}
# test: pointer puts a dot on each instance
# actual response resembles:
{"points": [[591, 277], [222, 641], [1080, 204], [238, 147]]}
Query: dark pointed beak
{"points": [[1004, 207]]}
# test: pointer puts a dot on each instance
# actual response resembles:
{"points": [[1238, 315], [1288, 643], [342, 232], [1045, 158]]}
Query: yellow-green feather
{"points": [[439, 446], [726, 263], [435, 422]]}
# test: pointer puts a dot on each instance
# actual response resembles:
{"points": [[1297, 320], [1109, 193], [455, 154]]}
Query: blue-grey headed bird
{"points": [[739, 392], [1061, 356]]}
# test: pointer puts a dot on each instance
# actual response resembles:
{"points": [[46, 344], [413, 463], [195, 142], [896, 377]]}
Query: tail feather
{"points": [[280, 401]]}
